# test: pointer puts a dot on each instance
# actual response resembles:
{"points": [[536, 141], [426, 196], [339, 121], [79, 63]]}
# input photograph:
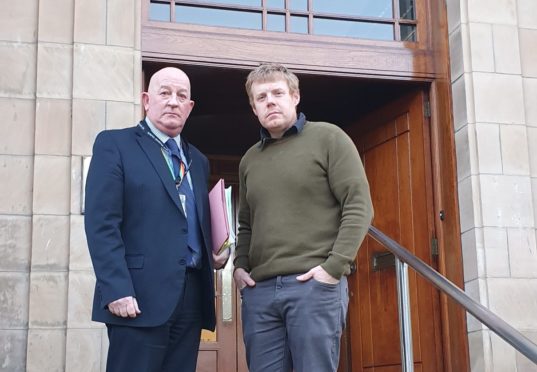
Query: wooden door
{"points": [[394, 144], [223, 350]]}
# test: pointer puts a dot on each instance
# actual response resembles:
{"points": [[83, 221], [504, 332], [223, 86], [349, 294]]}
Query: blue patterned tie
{"points": [[194, 239]]}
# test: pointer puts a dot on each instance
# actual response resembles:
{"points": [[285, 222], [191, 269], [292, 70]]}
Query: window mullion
{"points": [[287, 4], [172, 10], [310, 17], [345, 20], [396, 15], [264, 15]]}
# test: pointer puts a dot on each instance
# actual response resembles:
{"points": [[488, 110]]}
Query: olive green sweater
{"points": [[304, 201]]}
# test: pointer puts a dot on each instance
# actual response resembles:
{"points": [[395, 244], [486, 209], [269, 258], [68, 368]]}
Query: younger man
{"points": [[304, 210]]}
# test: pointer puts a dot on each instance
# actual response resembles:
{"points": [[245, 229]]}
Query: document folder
{"points": [[222, 236]]}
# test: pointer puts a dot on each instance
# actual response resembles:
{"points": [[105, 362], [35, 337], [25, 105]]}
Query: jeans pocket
{"points": [[324, 284]]}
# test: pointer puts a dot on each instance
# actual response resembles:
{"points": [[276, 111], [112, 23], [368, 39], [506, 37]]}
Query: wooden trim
{"points": [[192, 43], [221, 46], [267, 35], [424, 24], [431, 182], [455, 338]]}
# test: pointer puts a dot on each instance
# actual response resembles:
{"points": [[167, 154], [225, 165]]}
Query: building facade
{"points": [[71, 68], [493, 71]]}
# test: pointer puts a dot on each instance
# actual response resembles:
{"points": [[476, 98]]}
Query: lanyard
{"points": [[178, 179], [155, 138]]}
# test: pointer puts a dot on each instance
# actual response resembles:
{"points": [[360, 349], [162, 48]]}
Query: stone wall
{"points": [[493, 47], [70, 68]]}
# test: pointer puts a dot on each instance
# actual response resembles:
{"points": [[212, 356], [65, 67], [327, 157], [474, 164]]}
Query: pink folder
{"points": [[219, 219]]}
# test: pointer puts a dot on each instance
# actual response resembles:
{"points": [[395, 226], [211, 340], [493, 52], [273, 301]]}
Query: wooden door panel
{"points": [[396, 368], [217, 351], [393, 146], [207, 361], [220, 351], [380, 286]]}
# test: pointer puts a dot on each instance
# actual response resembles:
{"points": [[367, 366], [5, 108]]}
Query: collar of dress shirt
{"points": [[162, 136]]}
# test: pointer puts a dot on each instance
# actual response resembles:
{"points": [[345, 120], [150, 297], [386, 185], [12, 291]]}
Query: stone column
{"points": [[70, 68], [18, 36], [494, 82], [51, 187], [105, 95]]}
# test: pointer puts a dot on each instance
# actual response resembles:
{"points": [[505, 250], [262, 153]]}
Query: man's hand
{"points": [[242, 279], [319, 274], [124, 307], [219, 261]]}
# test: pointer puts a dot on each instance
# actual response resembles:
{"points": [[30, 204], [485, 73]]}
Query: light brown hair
{"points": [[268, 72]]}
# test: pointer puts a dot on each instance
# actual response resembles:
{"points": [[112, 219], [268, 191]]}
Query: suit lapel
{"points": [[154, 153]]}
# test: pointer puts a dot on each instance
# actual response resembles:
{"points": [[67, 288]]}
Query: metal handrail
{"points": [[480, 312], [405, 322]]}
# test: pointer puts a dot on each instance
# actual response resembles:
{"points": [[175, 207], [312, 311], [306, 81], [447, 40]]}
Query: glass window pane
{"points": [[275, 22], [408, 33], [233, 2], [406, 8], [362, 30], [368, 8], [218, 17], [159, 12], [298, 5], [299, 24], [276, 4]]}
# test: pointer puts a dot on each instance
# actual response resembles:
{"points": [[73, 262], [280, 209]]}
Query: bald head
{"points": [[167, 101], [165, 73]]}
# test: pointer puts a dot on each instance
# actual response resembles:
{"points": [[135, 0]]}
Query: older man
{"points": [[148, 230]]}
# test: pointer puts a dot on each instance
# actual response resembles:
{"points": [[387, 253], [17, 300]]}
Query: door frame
{"points": [[447, 228], [425, 62]]}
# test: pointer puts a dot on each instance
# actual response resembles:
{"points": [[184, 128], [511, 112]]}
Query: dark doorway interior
{"points": [[222, 122], [223, 127]]}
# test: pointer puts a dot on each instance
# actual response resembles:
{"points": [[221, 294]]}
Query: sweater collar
{"points": [[296, 128]]}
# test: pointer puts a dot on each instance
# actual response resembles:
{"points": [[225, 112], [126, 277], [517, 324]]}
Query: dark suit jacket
{"points": [[136, 228]]}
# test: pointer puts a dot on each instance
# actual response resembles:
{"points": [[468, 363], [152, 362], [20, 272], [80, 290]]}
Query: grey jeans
{"points": [[293, 326]]}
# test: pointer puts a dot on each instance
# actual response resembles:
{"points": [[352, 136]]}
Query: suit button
{"points": [[184, 230], [182, 261]]}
